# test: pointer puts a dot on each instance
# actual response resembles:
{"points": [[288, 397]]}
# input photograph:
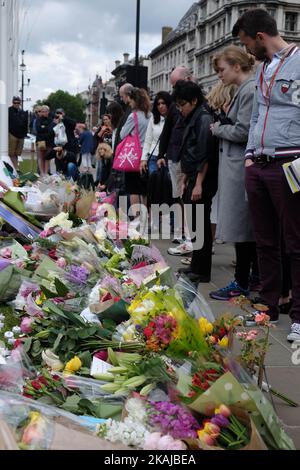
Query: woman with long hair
{"points": [[140, 104], [235, 67], [156, 124]]}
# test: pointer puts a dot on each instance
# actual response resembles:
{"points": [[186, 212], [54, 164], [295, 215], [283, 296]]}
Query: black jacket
{"points": [[199, 147], [172, 135], [72, 145], [18, 122], [44, 129], [62, 164]]}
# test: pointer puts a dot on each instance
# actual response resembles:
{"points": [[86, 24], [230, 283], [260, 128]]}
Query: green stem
{"points": [[284, 398]]}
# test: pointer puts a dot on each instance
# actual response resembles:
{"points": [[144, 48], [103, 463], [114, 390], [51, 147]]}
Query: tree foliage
{"points": [[74, 106]]}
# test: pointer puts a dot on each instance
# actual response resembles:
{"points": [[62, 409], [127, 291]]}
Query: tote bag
{"points": [[129, 152], [61, 138]]}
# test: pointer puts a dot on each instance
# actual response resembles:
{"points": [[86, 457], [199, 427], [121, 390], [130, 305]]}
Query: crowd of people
{"points": [[224, 151]]}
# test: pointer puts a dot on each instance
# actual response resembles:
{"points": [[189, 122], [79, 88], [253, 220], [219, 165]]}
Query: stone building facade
{"points": [[206, 29]]}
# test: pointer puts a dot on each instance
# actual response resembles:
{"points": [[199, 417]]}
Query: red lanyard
{"points": [[263, 82]]}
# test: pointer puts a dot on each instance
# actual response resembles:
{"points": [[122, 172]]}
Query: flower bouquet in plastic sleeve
{"points": [[237, 389], [149, 267], [106, 300], [29, 425], [102, 204], [11, 278], [159, 315], [229, 428], [193, 300]]}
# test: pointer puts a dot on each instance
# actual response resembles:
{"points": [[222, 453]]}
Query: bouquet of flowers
{"points": [[183, 335]]}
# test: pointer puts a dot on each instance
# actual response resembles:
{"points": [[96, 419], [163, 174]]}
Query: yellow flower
{"points": [[73, 366], [224, 342], [39, 300], [205, 326]]}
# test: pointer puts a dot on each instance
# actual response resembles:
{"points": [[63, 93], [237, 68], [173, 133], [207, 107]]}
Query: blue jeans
{"points": [[72, 171], [152, 164]]}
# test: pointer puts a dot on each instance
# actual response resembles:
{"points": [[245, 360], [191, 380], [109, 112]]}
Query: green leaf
{"points": [[73, 334], [48, 294], [61, 289], [57, 341], [71, 344], [36, 346], [84, 333], [72, 404], [86, 359], [27, 345], [54, 309]]}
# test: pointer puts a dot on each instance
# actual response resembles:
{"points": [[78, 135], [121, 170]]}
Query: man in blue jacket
{"points": [[274, 139]]}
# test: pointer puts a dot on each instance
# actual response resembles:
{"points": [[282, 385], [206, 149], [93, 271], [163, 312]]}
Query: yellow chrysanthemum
{"points": [[205, 326]]}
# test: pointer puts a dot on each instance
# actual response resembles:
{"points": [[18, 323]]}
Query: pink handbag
{"points": [[129, 152]]}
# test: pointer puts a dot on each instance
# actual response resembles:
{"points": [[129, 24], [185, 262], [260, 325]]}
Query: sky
{"points": [[68, 42]]}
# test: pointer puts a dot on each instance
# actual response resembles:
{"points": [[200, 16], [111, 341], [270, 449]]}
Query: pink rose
{"points": [[20, 264], [262, 318], [152, 440], [102, 355], [6, 253], [26, 325], [61, 263], [168, 443], [46, 233]]}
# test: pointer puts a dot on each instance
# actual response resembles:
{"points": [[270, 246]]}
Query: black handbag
{"points": [[160, 187]]}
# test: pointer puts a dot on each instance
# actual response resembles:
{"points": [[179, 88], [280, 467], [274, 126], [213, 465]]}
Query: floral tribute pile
{"points": [[96, 331]]}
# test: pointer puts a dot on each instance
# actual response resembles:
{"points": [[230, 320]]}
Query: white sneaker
{"points": [[181, 250], [250, 320], [294, 333]]}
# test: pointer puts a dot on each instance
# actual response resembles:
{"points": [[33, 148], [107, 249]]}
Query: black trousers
{"points": [[202, 258]]}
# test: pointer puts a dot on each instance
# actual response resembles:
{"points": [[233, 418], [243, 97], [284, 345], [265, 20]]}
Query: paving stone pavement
{"points": [[283, 375]]}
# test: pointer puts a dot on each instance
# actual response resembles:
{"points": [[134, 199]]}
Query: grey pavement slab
{"points": [[283, 375]]}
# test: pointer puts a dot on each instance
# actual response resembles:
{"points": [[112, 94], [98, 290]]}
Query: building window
{"points": [[211, 64], [219, 30], [213, 33], [291, 21], [272, 12], [202, 37], [242, 11], [201, 67], [203, 10]]}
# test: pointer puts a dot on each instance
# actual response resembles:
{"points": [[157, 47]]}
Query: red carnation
{"points": [[52, 254], [148, 332], [36, 385], [43, 380], [222, 332]]}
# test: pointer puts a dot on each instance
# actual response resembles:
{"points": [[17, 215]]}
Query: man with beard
{"points": [[274, 139]]}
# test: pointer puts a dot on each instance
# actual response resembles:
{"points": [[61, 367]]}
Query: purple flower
{"points": [[173, 420], [77, 275], [220, 421]]}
